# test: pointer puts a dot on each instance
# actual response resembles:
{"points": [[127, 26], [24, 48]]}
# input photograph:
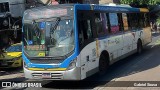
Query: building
{"points": [[108, 1], [81, 1]]}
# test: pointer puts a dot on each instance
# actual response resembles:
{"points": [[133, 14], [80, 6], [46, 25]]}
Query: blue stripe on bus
{"points": [[106, 8], [82, 7], [115, 9], [65, 64]]}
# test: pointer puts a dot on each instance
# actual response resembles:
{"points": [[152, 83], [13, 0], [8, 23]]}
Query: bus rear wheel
{"points": [[139, 47], [103, 64]]}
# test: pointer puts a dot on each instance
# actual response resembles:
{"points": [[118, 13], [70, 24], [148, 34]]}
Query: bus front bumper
{"points": [[73, 74]]}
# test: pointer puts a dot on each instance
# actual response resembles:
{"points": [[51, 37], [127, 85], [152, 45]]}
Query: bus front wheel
{"points": [[103, 64]]}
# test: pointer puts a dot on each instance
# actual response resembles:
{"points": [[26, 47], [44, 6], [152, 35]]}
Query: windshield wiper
{"points": [[53, 29], [36, 29], [26, 41], [55, 25]]}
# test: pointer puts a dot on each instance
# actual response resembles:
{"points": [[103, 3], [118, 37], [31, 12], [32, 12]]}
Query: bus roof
{"points": [[64, 9], [99, 7], [144, 10], [110, 8]]}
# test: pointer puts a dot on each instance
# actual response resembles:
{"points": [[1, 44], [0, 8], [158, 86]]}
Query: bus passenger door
{"points": [[87, 43]]}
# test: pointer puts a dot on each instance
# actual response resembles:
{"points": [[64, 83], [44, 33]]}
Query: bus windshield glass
{"points": [[48, 36]]}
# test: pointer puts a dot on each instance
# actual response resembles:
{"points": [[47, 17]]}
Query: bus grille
{"points": [[46, 61], [55, 76]]}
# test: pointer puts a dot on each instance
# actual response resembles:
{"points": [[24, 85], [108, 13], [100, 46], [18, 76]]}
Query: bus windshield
{"points": [[52, 38]]}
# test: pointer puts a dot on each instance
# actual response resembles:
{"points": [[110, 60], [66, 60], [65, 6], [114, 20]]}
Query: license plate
{"points": [[46, 75]]}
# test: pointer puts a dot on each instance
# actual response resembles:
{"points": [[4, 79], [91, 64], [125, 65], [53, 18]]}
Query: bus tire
{"points": [[139, 47], [103, 64]]}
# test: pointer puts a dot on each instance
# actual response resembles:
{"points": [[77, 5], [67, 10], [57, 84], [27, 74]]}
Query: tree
{"points": [[140, 2]]}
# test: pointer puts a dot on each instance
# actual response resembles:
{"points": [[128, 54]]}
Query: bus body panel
{"points": [[114, 45], [89, 59], [147, 35]]}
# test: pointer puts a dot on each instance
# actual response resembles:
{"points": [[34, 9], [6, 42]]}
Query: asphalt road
{"points": [[8, 71], [141, 68]]}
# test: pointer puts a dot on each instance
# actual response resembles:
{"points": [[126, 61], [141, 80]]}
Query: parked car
{"points": [[12, 57]]}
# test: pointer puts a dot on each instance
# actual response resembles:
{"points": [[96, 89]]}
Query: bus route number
{"points": [[41, 54]]}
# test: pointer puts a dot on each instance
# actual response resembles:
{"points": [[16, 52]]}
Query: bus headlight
{"points": [[72, 64], [26, 65]]}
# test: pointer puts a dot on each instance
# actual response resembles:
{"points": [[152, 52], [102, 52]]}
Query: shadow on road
{"points": [[128, 66], [74, 84], [8, 71]]}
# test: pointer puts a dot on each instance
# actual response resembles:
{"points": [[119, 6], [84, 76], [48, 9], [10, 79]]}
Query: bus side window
{"points": [[120, 22], [137, 20], [102, 23], [130, 20], [87, 34], [140, 20], [106, 23], [80, 31], [133, 20], [114, 24], [125, 22], [85, 30], [98, 24]]}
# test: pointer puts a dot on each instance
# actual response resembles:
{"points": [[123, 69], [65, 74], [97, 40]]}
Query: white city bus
{"points": [[72, 42]]}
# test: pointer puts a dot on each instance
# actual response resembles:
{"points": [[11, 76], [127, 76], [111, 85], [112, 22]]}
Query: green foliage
{"points": [[158, 20], [140, 2]]}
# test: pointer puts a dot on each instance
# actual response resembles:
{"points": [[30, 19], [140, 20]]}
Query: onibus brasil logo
{"points": [[20, 85]]}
